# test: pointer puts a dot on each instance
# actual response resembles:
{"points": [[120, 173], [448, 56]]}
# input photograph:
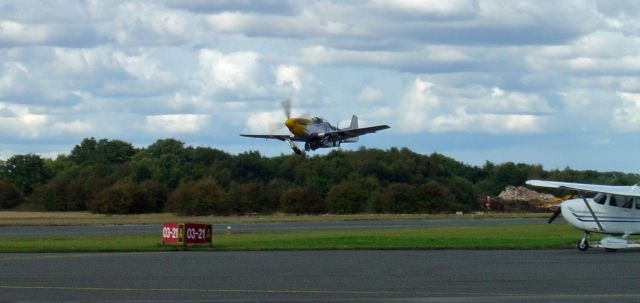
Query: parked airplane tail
{"points": [[354, 125]]}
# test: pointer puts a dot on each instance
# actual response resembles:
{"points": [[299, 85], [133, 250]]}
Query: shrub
{"points": [[348, 197], [435, 197], [301, 200], [10, 195], [150, 197], [117, 199], [249, 197], [396, 198]]}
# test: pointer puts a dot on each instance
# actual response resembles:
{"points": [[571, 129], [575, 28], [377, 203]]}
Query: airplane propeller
{"points": [[286, 106], [555, 215]]}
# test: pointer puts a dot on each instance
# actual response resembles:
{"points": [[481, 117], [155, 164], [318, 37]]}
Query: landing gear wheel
{"points": [[583, 245], [611, 250]]}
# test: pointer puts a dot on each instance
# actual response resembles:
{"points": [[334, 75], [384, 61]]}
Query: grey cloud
{"points": [[7, 113]]}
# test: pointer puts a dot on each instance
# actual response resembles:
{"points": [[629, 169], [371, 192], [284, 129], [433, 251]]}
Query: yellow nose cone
{"points": [[290, 123]]}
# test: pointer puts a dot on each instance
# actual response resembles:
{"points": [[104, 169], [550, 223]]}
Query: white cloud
{"points": [[499, 101], [626, 118], [436, 8], [417, 107], [289, 75], [268, 122], [19, 121], [16, 33], [370, 95], [73, 127], [110, 72], [175, 124], [320, 19], [236, 71], [461, 121], [493, 111], [147, 23]]}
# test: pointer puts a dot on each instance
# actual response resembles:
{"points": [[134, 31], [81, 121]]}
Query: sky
{"points": [[540, 82]]}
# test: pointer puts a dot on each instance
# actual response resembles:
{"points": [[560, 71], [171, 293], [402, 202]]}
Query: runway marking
{"points": [[265, 291]]}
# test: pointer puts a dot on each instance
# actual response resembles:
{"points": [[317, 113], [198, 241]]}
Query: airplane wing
{"points": [[632, 191], [277, 137], [350, 133]]}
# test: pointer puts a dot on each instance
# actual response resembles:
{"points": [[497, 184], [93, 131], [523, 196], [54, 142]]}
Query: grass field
{"points": [[24, 218], [537, 236]]}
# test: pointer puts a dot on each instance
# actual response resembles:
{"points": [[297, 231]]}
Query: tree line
{"points": [[114, 177]]}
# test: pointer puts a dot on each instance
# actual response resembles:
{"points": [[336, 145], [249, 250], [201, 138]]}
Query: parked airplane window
{"points": [[628, 202], [612, 200], [600, 198]]}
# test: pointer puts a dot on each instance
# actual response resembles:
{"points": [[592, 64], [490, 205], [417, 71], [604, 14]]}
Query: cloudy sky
{"points": [[549, 82]]}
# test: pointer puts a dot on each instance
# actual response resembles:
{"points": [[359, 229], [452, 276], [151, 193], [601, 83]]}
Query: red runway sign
{"points": [[186, 233], [197, 233], [172, 233]]}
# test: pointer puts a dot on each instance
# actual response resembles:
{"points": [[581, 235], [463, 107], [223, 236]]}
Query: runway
{"points": [[324, 276], [86, 230]]}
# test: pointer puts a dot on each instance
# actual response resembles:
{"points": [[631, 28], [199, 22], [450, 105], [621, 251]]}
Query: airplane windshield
{"points": [[600, 198]]}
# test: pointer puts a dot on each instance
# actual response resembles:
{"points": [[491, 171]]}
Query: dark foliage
{"points": [[301, 200], [200, 198], [111, 176], [10, 195]]}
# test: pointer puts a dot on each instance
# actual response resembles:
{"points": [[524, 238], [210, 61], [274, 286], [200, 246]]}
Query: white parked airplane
{"points": [[614, 210]]}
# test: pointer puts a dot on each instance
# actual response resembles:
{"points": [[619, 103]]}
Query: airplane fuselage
{"points": [[614, 219], [301, 127]]}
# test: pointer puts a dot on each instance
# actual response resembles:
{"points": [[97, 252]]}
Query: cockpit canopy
{"points": [[617, 200], [319, 120]]}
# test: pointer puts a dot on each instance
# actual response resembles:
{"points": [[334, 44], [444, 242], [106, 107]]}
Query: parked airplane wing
{"points": [[350, 133], [633, 191]]}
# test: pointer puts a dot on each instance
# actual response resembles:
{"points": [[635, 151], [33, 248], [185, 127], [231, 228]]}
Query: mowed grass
{"points": [[539, 236], [32, 218]]}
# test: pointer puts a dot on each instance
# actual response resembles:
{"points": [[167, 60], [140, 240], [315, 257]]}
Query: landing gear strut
{"points": [[583, 244], [295, 148]]}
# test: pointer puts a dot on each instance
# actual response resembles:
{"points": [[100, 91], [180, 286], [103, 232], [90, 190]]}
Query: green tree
{"points": [[125, 197], [26, 171], [200, 198]]}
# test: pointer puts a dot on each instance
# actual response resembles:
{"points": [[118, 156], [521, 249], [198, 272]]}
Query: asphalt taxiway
{"points": [[80, 230], [324, 276]]}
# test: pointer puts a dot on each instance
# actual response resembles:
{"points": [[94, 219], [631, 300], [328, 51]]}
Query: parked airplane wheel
{"points": [[610, 249], [583, 245]]}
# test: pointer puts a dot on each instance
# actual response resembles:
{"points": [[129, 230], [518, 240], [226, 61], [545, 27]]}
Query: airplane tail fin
{"points": [[354, 125], [354, 122]]}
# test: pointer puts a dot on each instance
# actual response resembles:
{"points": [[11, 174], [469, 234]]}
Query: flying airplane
{"points": [[317, 132], [613, 210]]}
